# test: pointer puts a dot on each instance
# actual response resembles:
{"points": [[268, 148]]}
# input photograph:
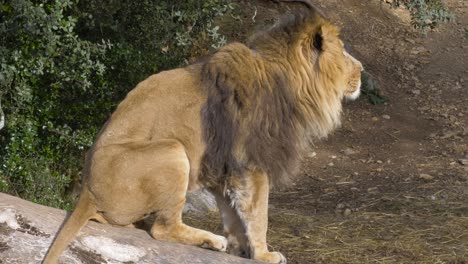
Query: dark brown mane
{"points": [[252, 126], [252, 119]]}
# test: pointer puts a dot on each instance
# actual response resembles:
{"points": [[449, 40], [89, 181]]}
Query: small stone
{"points": [[463, 162], [386, 117], [312, 155], [331, 164], [347, 212], [426, 177], [379, 162], [375, 119], [349, 151], [372, 189]]}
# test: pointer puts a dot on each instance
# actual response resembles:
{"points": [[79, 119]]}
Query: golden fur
{"points": [[235, 124]]}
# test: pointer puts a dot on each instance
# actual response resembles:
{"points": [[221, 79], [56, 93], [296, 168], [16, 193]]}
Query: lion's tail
{"points": [[85, 210]]}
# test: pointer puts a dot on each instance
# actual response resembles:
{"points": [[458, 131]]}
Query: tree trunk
{"points": [[27, 230]]}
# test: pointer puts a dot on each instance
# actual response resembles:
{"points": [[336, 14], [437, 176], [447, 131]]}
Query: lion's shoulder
{"points": [[234, 60]]}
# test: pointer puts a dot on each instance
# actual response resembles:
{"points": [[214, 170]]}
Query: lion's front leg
{"points": [[249, 197], [233, 227]]}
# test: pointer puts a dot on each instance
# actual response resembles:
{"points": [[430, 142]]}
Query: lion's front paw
{"points": [[272, 257], [215, 242]]}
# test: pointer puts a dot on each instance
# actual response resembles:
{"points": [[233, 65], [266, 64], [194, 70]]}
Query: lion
{"points": [[236, 124]]}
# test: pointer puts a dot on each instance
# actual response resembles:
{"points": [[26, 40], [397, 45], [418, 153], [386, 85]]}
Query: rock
{"points": [[347, 212], [200, 201], [426, 177], [312, 155], [416, 92], [349, 151], [27, 231], [386, 117]]}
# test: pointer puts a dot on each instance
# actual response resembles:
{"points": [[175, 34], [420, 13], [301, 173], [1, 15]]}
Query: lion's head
{"points": [[269, 98], [340, 69], [310, 32]]}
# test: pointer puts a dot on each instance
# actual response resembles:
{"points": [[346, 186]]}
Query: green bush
{"points": [[371, 90], [46, 74], [426, 13], [151, 36], [63, 68]]}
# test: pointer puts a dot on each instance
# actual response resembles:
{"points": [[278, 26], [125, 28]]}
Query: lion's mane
{"points": [[267, 100]]}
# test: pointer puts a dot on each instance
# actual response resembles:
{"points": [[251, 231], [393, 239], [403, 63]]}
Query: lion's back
{"points": [[159, 107]]}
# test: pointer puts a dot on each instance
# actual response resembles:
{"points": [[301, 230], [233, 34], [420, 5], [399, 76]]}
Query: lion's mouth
{"points": [[354, 90]]}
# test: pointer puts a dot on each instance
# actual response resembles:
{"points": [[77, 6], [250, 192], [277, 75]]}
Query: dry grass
{"points": [[425, 233], [376, 238]]}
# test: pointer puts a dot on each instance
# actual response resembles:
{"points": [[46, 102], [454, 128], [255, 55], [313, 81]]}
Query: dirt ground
{"points": [[391, 185]]}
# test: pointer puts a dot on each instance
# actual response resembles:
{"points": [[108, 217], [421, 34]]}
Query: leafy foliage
{"points": [[371, 90], [46, 74], [426, 13], [151, 36], [63, 68]]}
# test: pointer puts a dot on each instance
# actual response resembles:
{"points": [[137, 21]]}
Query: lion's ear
{"points": [[318, 40]]}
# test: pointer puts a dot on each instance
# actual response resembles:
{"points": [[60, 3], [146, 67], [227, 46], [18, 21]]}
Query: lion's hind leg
{"points": [[172, 182]]}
